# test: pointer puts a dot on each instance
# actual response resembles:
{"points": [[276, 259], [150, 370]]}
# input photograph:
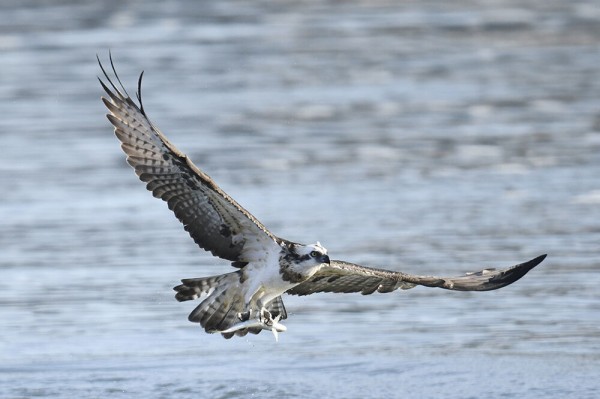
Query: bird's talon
{"points": [[244, 316], [266, 318]]}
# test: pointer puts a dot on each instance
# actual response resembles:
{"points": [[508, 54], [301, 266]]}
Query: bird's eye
{"points": [[314, 254]]}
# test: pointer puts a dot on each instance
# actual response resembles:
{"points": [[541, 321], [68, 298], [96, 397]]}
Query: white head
{"points": [[317, 252], [312, 253]]}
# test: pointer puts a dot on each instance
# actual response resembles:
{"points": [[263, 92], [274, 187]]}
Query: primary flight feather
{"points": [[249, 298]]}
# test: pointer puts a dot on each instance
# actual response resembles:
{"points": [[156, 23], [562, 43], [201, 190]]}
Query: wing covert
{"points": [[214, 220], [345, 277]]}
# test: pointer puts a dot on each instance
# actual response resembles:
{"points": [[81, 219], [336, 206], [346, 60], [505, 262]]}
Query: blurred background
{"points": [[423, 136]]}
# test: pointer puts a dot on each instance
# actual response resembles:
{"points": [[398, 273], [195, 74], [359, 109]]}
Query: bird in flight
{"points": [[248, 299]]}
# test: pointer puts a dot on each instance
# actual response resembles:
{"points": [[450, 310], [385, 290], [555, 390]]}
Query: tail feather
{"points": [[194, 288], [219, 311], [223, 303]]}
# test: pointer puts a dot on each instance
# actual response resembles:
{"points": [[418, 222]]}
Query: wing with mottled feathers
{"points": [[213, 219], [345, 277]]}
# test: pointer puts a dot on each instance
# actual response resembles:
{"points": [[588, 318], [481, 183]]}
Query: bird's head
{"points": [[309, 254], [316, 253]]}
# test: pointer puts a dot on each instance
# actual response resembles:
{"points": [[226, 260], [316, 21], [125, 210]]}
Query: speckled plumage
{"points": [[268, 266]]}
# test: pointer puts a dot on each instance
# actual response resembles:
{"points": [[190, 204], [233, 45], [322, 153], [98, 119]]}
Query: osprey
{"points": [[249, 298]]}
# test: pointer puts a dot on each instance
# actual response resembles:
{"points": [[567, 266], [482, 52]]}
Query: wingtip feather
{"points": [[533, 262]]}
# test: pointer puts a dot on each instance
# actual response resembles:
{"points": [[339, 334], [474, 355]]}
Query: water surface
{"points": [[429, 138]]}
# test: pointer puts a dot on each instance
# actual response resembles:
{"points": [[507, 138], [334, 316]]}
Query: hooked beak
{"points": [[324, 259]]}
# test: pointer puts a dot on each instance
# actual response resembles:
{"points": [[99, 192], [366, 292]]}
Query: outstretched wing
{"points": [[214, 220], [346, 277]]}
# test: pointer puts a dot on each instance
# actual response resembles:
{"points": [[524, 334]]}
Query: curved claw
{"points": [[265, 317]]}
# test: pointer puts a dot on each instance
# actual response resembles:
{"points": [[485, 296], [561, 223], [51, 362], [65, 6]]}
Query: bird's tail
{"points": [[223, 303]]}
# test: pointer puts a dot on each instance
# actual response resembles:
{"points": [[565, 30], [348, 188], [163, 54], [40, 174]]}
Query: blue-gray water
{"points": [[429, 137]]}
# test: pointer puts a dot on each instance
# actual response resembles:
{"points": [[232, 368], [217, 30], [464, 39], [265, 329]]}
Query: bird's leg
{"points": [[245, 316], [267, 321], [265, 317], [263, 314]]}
